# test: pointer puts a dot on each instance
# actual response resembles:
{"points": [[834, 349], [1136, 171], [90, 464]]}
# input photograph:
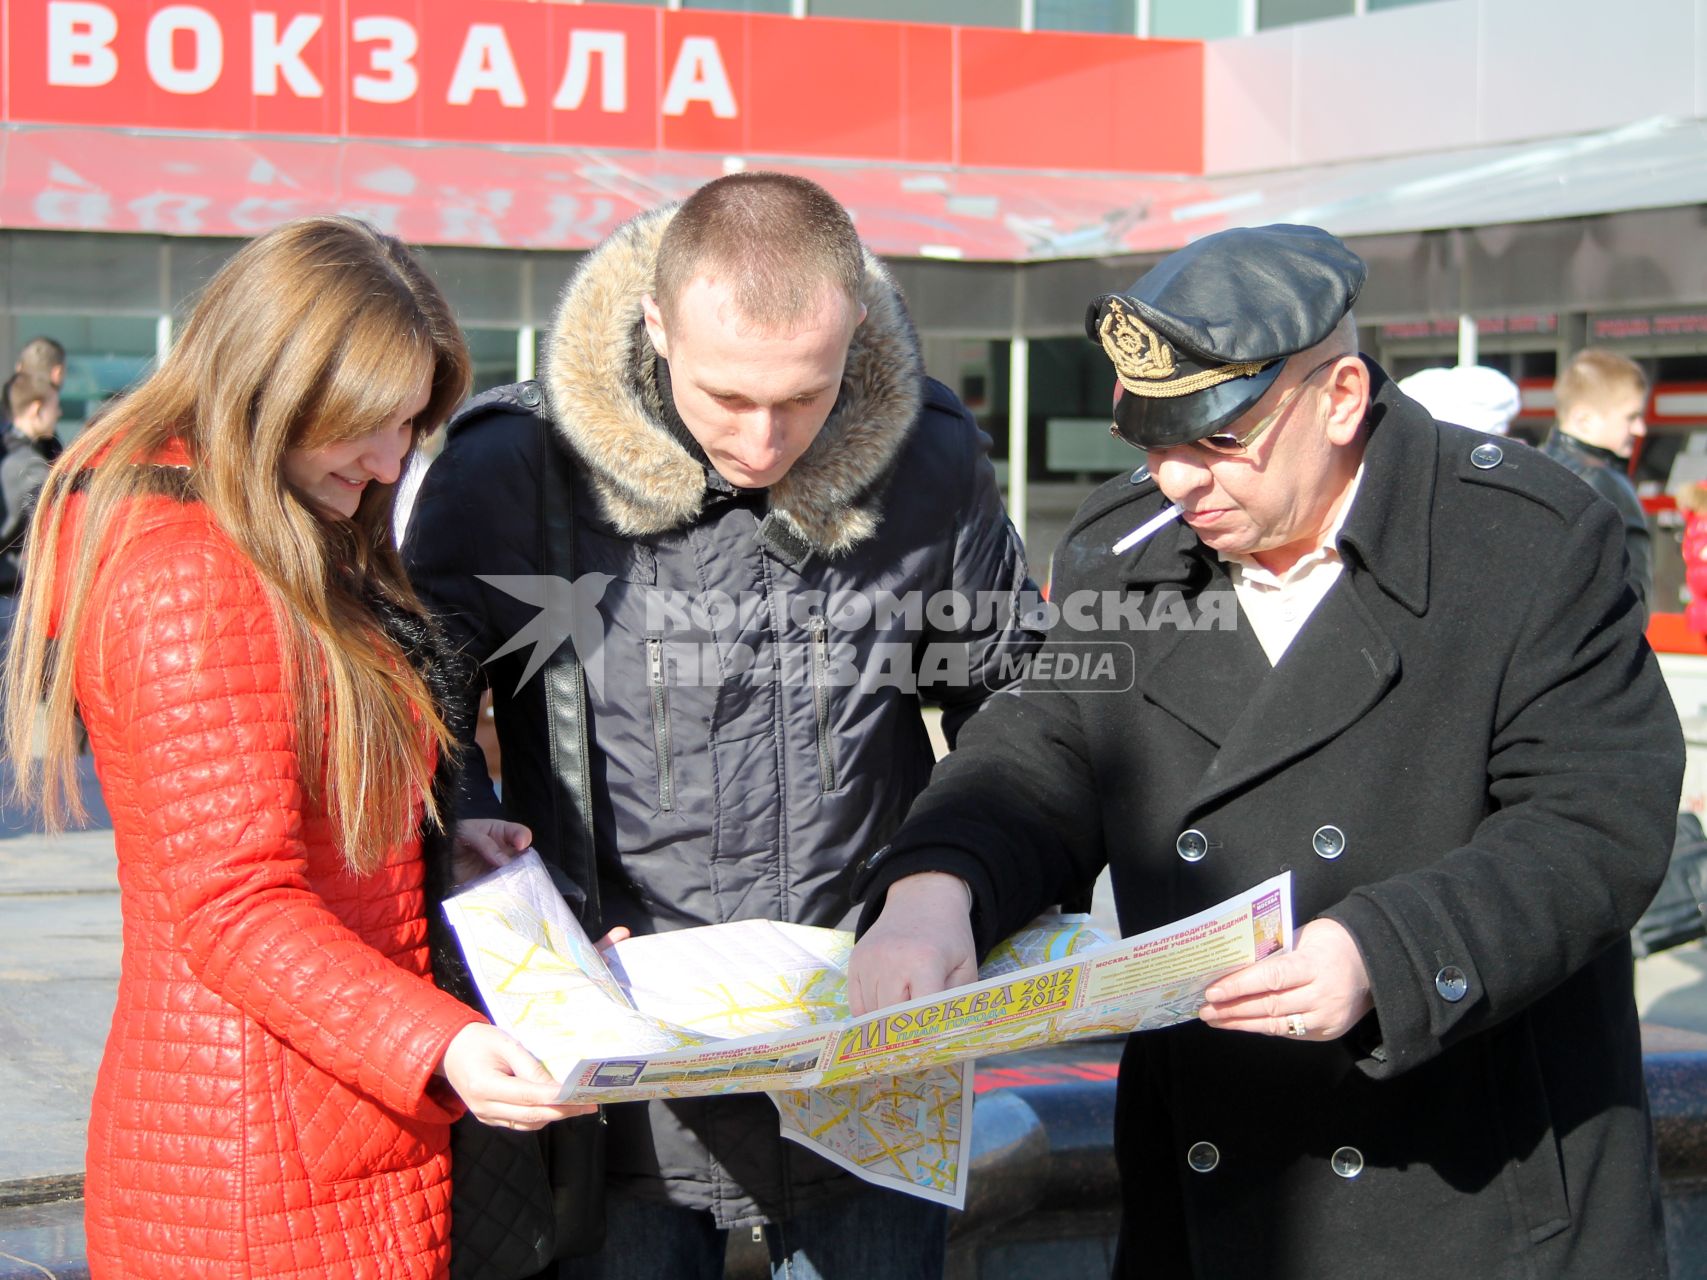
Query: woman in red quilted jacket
{"points": [[1692, 501], [223, 605]]}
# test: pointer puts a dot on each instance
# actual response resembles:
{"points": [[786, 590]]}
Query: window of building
{"points": [[190, 265], [966, 13], [493, 353], [1373, 5], [1284, 13], [1071, 389], [77, 273], [1113, 17], [483, 287], [541, 348], [1196, 19]]}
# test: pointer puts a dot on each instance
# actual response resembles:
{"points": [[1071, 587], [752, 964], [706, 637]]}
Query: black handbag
{"points": [[521, 1201], [1678, 913], [502, 1225]]}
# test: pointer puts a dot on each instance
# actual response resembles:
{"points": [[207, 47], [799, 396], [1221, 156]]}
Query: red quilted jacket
{"points": [[267, 1105], [1695, 570]]}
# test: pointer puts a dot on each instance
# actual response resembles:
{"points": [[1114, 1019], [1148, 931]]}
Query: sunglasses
{"points": [[1225, 443]]}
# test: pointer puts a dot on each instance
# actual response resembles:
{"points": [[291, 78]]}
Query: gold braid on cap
{"points": [[1145, 364]]}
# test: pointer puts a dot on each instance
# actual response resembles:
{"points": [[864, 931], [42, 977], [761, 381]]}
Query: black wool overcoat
{"points": [[1468, 758]]}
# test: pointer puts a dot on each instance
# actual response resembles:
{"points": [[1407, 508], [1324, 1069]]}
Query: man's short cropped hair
{"points": [[27, 389], [41, 356], [774, 238], [1593, 377]]}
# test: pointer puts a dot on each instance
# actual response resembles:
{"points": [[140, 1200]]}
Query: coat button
{"points": [[1347, 1162], [529, 394], [1452, 984], [1203, 1157], [1192, 845], [1139, 476], [1487, 456], [1328, 842]]}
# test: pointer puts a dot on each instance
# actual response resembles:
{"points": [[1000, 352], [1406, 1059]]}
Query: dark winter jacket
{"points": [[23, 472], [1606, 474], [752, 663], [1467, 757]]}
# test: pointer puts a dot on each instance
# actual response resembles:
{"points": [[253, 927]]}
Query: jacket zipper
{"points": [[821, 701], [660, 721]]}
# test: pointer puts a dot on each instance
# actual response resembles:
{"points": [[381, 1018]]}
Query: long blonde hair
{"points": [[316, 333]]}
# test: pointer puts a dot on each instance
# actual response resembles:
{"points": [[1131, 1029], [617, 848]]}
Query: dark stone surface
{"points": [[1677, 1094], [38, 1240], [1686, 1229], [1044, 1188]]}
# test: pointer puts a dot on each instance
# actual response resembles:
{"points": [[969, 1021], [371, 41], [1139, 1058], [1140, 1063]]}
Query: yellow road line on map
{"points": [[784, 1009], [829, 1124], [519, 967], [886, 1151], [939, 1113]]}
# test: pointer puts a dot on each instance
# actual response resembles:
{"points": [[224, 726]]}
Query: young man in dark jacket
{"points": [[1399, 661], [1598, 401], [29, 448], [713, 562]]}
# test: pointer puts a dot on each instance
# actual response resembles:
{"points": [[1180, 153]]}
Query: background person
{"points": [[1473, 396], [1692, 501], [1598, 400], [213, 571], [1459, 745], [41, 358], [29, 450], [733, 408]]}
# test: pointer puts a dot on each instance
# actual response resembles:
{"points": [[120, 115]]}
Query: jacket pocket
{"points": [[1524, 1117], [660, 721], [342, 1135], [820, 631]]}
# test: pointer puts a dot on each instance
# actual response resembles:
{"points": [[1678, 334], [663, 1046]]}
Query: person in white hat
{"points": [[1472, 395]]}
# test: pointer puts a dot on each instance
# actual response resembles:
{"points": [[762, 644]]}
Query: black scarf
{"points": [[444, 670]]}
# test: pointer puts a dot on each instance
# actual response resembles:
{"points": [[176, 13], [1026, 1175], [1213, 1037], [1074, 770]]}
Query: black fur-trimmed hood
{"points": [[444, 670], [600, 382]]}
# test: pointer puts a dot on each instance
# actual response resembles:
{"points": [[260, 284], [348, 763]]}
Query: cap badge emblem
{"points": [[1137, 350]]}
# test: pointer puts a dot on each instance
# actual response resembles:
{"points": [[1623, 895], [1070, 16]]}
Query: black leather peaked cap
{"points": [[1208, 329]]}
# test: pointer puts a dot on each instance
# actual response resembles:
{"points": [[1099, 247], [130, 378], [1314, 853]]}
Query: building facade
{"points": [[1524, 176]]}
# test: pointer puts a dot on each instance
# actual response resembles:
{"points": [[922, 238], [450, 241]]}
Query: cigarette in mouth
{"points": [[1147, 528]]}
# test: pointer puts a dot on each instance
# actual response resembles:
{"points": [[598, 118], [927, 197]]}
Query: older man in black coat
{"points": [[1400, 660]]}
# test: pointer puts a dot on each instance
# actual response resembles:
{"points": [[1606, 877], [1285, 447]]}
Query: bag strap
{"points": [[565, 683]]}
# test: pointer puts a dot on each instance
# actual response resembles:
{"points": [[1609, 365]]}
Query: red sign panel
{"points": [[1536, 323], [1663, 325], [1063, 101], [1672, 403], [499, 71]]}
